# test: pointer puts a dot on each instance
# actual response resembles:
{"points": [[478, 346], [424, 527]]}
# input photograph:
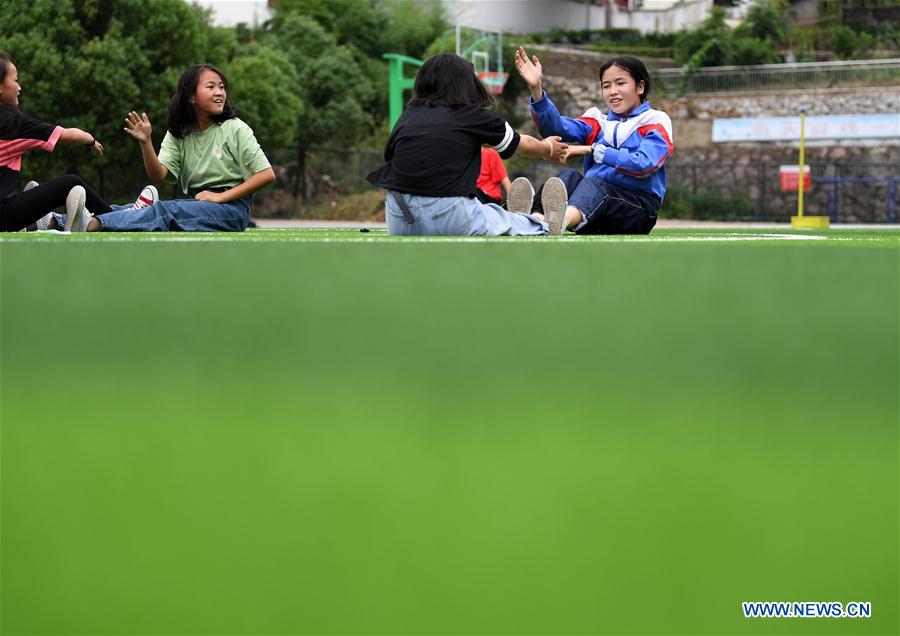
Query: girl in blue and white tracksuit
{"points": [[625, 150]]}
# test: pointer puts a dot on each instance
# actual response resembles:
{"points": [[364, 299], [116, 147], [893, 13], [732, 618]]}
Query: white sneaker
{"points": [[42, 223], [521, 196], [554, 200], [75, 212], [146, 198]]}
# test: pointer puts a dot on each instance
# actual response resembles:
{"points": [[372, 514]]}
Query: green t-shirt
{"points": [[222, 156]]}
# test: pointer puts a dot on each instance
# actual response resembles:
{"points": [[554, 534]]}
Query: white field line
{"points": [[282, 236]]}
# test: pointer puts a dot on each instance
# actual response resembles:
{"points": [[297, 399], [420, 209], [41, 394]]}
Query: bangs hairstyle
{"points": [[180, 119], [449, 80], [5, 59], [633, 67]]}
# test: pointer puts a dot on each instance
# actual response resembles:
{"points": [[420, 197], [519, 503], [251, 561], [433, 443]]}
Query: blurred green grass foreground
{"points": [[340, 433]]}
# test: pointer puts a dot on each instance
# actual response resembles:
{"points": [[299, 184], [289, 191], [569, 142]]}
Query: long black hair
{"points": [[181, 120], [449, 80], [634, 67], [5, 59]]}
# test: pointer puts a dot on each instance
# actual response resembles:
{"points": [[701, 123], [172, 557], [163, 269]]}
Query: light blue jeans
{"points": [[179, 215], [457, 216]]}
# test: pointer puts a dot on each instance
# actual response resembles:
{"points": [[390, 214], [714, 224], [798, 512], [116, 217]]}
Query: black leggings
{"points": [[25, 208]]}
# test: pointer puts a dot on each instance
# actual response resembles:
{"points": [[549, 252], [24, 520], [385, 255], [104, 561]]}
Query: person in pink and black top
{"points": [[19, 133]]}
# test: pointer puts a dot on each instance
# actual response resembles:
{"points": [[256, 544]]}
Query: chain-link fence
{"points": [[846, 192], [729, 79]]}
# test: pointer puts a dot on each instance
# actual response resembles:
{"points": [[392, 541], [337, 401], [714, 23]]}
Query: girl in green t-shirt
{"points": [[211, 154]]}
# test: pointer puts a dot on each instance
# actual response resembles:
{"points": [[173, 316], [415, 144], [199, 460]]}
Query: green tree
{"points": [[767, 20], [87, 63], [411, 27], [331, 82], [354, 23], [311, 30], [262, 86], [707, 45]]}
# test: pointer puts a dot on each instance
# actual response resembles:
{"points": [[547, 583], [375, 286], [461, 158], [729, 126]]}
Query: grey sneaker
{"points": [[521, 196], [75, 211], [81, 225], [554, 200]]}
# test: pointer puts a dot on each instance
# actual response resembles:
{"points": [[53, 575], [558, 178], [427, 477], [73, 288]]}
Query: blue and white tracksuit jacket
{"points": [[637, 144]]}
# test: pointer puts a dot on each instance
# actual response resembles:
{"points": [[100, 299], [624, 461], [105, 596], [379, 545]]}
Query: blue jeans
{"points": [[180, 215], [456, 216]]}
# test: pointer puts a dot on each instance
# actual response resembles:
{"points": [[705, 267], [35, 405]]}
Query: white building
{"points": [[532, 16], [232, 12], [523, 16]]}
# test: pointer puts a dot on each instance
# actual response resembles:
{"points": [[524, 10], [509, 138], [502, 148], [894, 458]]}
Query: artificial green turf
{"points": [[336, 432]]}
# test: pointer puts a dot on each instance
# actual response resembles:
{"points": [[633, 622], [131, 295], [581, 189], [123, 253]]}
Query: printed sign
{"points": [[823, 127]]}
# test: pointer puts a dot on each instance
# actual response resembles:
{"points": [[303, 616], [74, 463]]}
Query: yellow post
{"points": [[800, 178], [800, 220]]}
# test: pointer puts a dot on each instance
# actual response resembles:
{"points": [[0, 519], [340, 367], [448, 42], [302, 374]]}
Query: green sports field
{"points": [[337, 432]]}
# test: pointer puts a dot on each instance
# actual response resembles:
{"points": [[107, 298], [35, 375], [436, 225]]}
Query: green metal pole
{"points": [[395, 90], [397, 83]]}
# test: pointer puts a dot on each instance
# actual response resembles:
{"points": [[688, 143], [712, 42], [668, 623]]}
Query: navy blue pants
{"points": [[607, 209]]}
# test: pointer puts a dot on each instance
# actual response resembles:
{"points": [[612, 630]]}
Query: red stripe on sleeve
{"points": [[595, 129], [643, 131]]}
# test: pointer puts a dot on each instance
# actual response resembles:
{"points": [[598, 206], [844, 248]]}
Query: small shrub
{"points": [[709, 203]]}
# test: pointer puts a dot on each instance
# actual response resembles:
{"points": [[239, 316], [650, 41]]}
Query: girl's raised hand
{"points": [[138, 126], [530, 70]]}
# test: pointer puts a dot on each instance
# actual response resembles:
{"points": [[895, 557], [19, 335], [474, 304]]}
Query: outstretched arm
{"points": [[139, 128], [81, 138], [550, 149]]}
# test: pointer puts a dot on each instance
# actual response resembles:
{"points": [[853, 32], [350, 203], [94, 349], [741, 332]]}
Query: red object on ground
{"points": [[788, 178]]}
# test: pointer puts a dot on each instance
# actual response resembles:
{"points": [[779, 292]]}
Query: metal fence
{"points": [[859, 192], [732, 79]]}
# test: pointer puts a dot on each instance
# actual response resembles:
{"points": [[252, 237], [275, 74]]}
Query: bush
{"points": [[706, 204], [751, 50], [843, 41]]}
